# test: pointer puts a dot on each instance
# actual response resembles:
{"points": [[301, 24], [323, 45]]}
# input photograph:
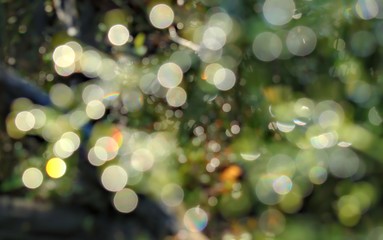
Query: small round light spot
{"points": [[55, 168], [318, 175], [367, 9], [95, 109], [106, 148], [214, 38], [25, 121], [195, 219], [125, 201], [114, 178], [64, 148], [224, 79], [226, 107], [267, 46], [61, 95], [64, 56], [118, 35], [161, 16], [170, 75], [278, 12], [282, 185], [301, 41], [32, 178]]}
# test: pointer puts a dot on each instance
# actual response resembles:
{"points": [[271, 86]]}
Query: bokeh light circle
{"points": [[265, 191], [367, 9], [214, 38], [343, 162], [118, 35], [224, 79], [318, 175], [161, 16], [176, 97], [114, 178], [125, 201], [267, 46], [282, 185], [170, 75], [95, 109], [25, 121], [64, 56], [61, 95], [278, 12], [32, 178], [301, 41], [195, 219], [55, 168]]}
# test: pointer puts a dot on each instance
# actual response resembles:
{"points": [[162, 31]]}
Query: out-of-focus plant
{"points": [[248, 120]]}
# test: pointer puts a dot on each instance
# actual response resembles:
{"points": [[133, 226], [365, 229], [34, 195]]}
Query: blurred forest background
{"points": [[191, 119]]}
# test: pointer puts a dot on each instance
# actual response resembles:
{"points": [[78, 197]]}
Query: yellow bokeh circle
{"points": [[55, 168]]}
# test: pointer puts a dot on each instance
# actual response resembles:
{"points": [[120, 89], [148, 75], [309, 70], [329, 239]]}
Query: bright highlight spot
{"points": [[55, 168], [264, 190], [76, 48], [282, 185], [118, 35], [214, 38], [64, 56], [161, 16], [278, 12], [25, 121], [170, 75], [32, 178], [106, 148], [224, 79], [325, 140], [63, 148], [367, 9], [250, 156], [114, 178], [95, 109], [285, 127]]}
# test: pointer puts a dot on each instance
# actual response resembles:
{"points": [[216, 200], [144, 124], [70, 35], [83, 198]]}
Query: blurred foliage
{"points": [[266, 126]]}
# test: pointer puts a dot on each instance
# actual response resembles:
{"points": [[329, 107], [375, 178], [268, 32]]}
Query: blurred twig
{"points": [[181, 41]]}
